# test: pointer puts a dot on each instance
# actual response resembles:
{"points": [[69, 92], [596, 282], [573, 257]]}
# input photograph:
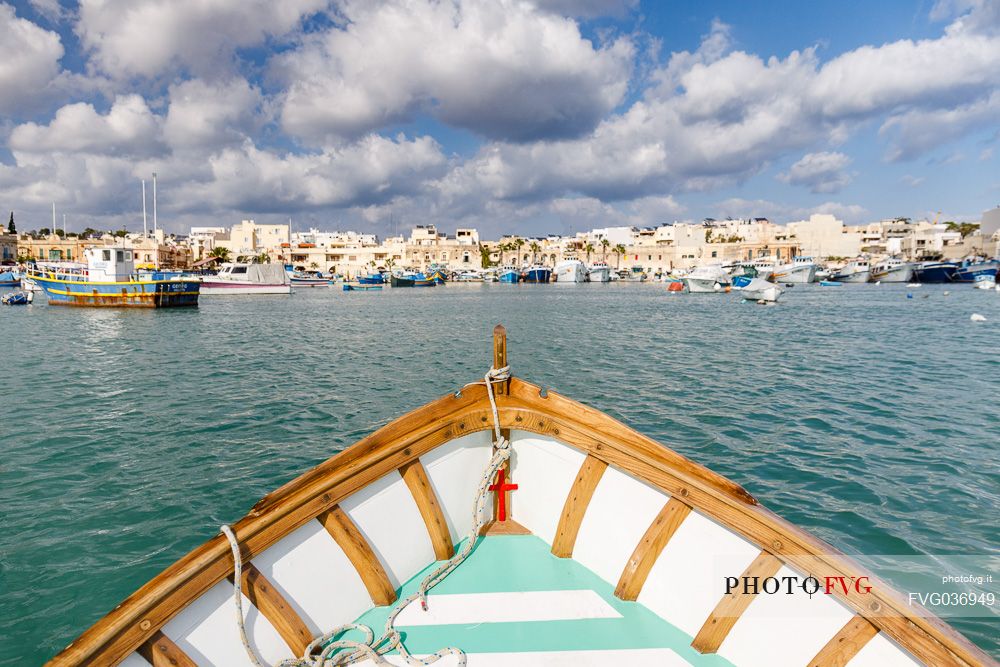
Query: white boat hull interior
{"points": [[312, 572]]}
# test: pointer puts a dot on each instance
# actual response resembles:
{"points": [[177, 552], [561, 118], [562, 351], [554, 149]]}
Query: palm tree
{"points": [[263, 258], [484, 256], [604, 249], [589, 248], [389, 263], [619, 250], [221, 252], [534, 250], [517, 245]]}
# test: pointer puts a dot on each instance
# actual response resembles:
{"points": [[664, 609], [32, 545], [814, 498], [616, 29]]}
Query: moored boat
{"points": [[589, 544], [239, 278], [856, 271], [110, 280], [799, 270], [758, 289], [985, 282], [359, 287], [10, 277], [372, 279], [510, 274], [599, 272], [934, 272], [892, 270], [570, 271], [537, 274], [438, 277], [17, 298], [972, 268], [711, 278]]}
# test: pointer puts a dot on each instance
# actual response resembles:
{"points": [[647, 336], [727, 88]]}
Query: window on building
{"points": [[715, 253]]}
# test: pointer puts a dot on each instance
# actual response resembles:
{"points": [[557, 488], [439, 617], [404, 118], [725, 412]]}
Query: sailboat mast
{"points": [[154, 203]]}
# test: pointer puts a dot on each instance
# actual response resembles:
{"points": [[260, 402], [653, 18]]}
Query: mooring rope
{"points": [[370, 648]]}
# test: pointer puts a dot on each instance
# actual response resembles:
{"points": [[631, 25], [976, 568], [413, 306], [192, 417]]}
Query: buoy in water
{"points": [[976, 317], [946, 292], [909, 295]]}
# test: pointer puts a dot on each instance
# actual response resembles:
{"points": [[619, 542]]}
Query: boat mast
{"points": [[145, 229], [154, 203]]}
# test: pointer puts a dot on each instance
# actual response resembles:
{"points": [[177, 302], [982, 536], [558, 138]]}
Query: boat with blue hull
{"points": [[510, 274], [10, 277], [934, 272], [972, 269], [538, 274], [373, 279], [110, 280]]}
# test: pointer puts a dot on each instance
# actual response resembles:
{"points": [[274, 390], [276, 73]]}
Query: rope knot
{"points": [[498, 374]]}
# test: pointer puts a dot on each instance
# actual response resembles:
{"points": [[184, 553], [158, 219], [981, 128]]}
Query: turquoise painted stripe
{"points": [[507, 563]]}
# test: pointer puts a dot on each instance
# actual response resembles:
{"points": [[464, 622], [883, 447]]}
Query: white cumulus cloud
{"points": [[820, 172], [502, 69], [30, 63]]}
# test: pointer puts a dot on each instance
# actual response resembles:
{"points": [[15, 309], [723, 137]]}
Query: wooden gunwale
{"points": [[522, 407]]}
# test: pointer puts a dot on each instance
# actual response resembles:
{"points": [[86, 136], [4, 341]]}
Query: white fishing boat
{"points": [[893, 270], [599, 272], [758, 289], [241, 278], [856, 271], [571, 271], [469, 277], [707, 279], [504, 524], [799, 270], [984, 282]]}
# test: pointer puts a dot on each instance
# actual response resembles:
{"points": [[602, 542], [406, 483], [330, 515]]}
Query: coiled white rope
{"points": [[371, 648]]}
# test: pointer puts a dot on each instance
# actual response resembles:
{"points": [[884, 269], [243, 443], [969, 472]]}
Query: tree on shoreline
{"points": [[11, 229], [604, 249], [221, 252], [620, 251]]}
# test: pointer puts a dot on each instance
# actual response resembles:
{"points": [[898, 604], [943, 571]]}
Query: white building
{"points": [[823, 235]]}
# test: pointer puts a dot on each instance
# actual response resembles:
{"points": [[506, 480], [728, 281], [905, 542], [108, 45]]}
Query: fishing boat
{"points": [[708, 279], [599, 272], [372, 279], [570, 271], [934, 272], [469, 277], [830, 283], [438, 277], [359, 287], [306, 278], [505, 524], [856, 271], [985, 282], [17, 298], [241, 278], [799, 270], [510, 274], [972, 268], [893, 270], [110, 280], [411, 279], [757, 289], [10, 277], [537, 274]]}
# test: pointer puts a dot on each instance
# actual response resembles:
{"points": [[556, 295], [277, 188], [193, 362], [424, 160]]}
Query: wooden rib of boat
{"points": [[605, 548]]}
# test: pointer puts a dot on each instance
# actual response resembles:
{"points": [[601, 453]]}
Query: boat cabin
{"points": [[112, 265]]}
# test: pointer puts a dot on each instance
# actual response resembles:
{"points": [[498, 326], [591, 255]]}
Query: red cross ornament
{"points": [[501, 488]]}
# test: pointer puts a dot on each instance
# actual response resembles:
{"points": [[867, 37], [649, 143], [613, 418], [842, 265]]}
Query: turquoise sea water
{"points": [[865, 417]]}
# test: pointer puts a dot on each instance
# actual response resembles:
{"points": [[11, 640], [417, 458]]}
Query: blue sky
{"points": [[555, 116]]}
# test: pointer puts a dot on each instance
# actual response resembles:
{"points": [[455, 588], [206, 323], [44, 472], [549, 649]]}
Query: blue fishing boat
{"points": [[510, 274], [438, 277], [18, 298], [830, 283], [934, 272], [358, 287], [10, 277], [110, 279], [373, 279], [971, 269], [538, 274], [741, 281]]}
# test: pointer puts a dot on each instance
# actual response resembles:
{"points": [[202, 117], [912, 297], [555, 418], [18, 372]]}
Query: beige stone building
{"points": [[150, 251]]}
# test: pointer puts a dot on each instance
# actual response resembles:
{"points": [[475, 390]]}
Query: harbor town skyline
{"points": [[540, 118]]}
